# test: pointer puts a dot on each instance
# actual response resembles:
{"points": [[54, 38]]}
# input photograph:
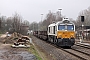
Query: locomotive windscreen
{"points": [[65, 27], [70, 27], [61, 27]]}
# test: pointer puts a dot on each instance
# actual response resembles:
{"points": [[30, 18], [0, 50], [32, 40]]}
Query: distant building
{"points": [[24, 29]]}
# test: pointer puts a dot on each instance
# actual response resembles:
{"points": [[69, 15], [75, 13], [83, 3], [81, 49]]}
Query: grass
{"points": [[0, 34], [34, 51]]}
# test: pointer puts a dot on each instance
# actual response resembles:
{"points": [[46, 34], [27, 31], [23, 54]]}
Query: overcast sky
{"points": [[31, 10]]}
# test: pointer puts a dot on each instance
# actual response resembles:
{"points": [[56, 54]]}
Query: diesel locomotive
{"points": [[61, 33]]}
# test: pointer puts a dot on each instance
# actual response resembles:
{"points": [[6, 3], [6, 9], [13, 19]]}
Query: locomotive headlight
{"points": [[71, 36], [60, 36]]}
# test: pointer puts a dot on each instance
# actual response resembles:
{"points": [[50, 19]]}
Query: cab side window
{"points": [[49, 29], [53, 29]]}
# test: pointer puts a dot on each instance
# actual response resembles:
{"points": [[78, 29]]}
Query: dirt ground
{"points": [[9, 53]]}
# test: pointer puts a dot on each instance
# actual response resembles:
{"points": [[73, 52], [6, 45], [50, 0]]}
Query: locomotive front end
{"points": [[66, 34], [62, 33]]}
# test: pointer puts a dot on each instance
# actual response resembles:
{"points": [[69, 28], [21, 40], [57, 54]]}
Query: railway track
{"points": [[53, 51], [80, 55], [83, 45], [76, 51], [86, 53]]}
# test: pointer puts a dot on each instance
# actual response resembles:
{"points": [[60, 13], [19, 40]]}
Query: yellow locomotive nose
{"points": [[65, 34]]}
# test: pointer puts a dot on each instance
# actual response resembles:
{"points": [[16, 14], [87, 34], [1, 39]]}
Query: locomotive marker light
{"points": [[82, 20]]}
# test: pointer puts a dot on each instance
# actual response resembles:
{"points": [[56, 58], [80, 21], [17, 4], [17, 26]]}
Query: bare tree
{"points": [[34, 26], [86, 14], [26, 22], [58, 16], [2, 23], [16, 23]]}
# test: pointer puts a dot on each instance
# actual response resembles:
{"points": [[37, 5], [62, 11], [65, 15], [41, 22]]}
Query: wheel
{"points": [[48, 39]]}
